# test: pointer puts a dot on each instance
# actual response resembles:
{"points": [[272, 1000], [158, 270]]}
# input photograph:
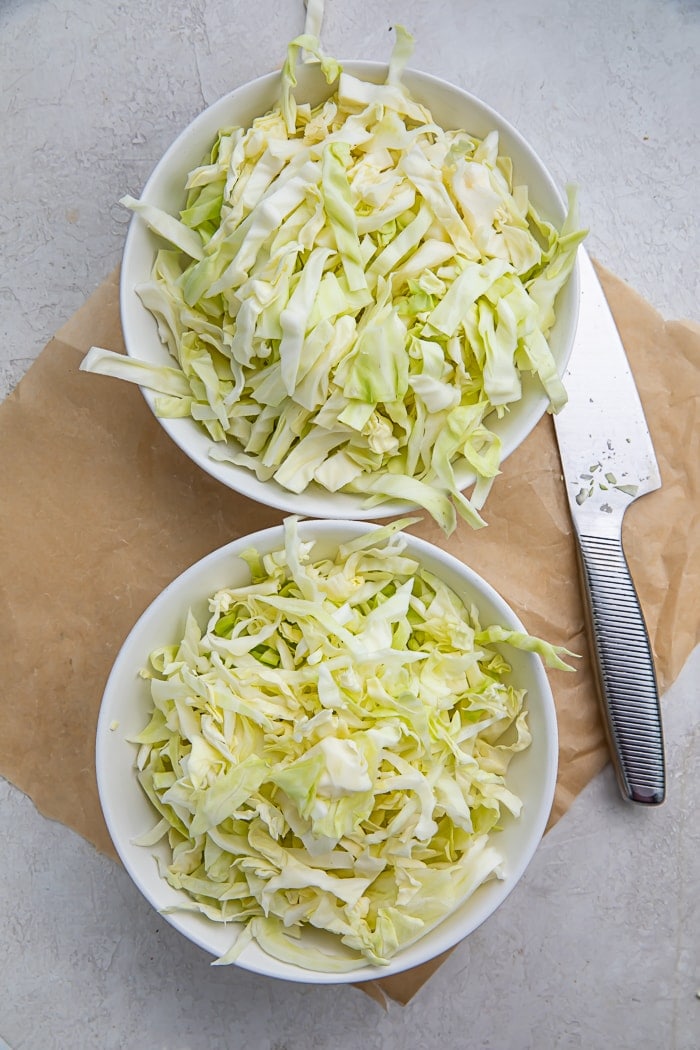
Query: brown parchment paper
{"points": [[99, 510]]}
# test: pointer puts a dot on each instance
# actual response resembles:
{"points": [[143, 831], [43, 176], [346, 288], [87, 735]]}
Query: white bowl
{"points": [[452, 108], [126, 701]]}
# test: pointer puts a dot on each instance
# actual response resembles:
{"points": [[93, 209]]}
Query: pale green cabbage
{"points": [[330, 750], [352, 293]]}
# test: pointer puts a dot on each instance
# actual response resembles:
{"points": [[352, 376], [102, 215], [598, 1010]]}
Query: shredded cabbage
{"points": [[330, 750], [350, 282]]}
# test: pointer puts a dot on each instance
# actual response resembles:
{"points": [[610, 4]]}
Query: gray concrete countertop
{"points": [[599, 945]]}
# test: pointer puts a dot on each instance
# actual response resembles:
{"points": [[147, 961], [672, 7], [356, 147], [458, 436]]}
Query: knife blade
{"points": [[608, 461]]}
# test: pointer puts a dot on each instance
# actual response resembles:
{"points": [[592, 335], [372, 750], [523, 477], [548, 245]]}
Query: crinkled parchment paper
{"points": [[100, 510]]}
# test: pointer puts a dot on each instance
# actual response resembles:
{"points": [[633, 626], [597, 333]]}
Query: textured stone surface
{"points": [[599, 944]]}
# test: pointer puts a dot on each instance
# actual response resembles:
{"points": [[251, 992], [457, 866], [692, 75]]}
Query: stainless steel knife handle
{"points": [[625, 669]]}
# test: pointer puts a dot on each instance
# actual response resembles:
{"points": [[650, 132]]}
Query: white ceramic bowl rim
{"points": [[165, 189], [126, 702]]}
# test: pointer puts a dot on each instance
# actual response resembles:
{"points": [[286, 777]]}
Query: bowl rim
{"points": [[449, 933], [339, 505]]}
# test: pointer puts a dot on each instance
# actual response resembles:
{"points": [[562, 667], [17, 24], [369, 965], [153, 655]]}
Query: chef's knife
{"points": [[608, 461]]}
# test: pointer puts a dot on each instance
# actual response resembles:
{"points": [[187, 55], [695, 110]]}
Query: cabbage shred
{"points": [[329, 751], [350, 292]]}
